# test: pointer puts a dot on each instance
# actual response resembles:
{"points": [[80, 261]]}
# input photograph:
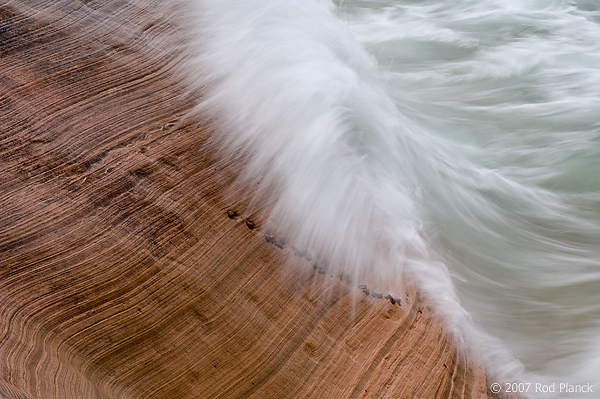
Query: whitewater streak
{"points": [[296, 96], [363, 188]]}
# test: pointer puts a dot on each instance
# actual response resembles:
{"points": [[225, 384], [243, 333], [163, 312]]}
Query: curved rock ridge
{"points": [[122, 274]]}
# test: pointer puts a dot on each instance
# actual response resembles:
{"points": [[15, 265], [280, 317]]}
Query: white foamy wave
{"points": [[508, 91], [295, 93], [364, 188]]}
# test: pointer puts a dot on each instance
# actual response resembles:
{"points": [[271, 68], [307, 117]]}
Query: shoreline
{"points": [[123, 276]]}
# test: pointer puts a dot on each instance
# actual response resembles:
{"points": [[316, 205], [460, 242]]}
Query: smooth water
{"points": [[455, 141]]}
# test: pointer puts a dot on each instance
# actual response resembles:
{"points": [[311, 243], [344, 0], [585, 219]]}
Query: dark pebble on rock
{"points": [[270, 238]]}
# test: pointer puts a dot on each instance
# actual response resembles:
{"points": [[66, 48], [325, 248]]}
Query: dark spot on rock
{"points": [[299, 253], [420, 311], [445, 366], [392, 300], [319, 268], [250, 225], [271, 239], [142, 171], [367, 292], [231, 214]]}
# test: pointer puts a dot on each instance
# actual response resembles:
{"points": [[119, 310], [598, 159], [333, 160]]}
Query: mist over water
{"points": [[457, 141]]}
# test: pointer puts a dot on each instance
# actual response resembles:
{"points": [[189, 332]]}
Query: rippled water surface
{"points": [[510, 92]]}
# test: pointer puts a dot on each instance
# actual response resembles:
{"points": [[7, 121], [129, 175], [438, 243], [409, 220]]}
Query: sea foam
{"points": [[296, 96], [359, 180]]}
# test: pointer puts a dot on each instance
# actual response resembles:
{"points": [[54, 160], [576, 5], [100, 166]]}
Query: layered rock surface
{"points": [[122, 274]]}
